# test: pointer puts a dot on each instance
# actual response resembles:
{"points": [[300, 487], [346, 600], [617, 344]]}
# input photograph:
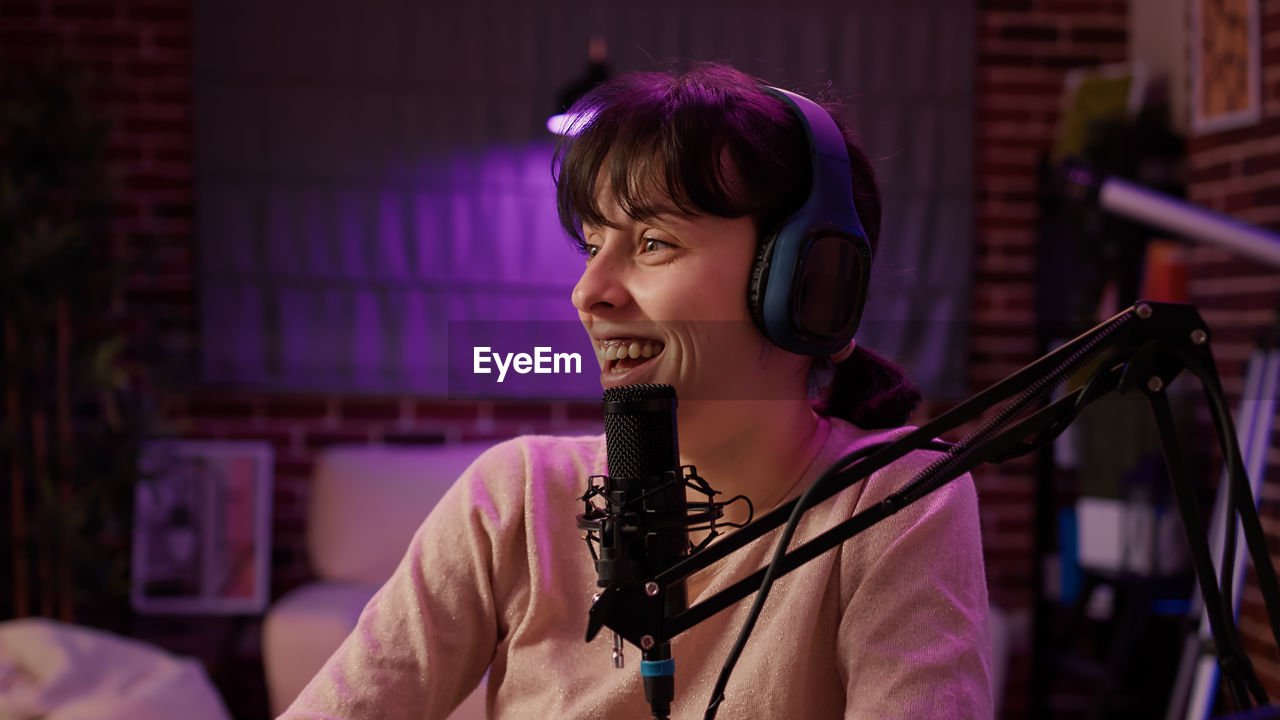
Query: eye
{"points": [[652, 244], [590, 250]]}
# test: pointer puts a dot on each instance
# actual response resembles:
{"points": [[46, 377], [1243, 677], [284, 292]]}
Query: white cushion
{"points": [[365, 504], [58, 671], [302, 629], [367, 501]]}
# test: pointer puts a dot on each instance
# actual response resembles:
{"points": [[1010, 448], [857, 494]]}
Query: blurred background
{"points": [[247, 247]]}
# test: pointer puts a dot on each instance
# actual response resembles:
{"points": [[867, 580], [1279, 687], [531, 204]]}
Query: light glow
{"points": [[568, 123]]}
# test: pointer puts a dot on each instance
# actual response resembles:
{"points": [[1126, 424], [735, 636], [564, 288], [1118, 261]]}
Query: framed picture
{"points": [[1226, 74], [202, 528]]}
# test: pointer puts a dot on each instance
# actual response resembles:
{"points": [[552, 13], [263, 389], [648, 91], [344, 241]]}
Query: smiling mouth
{"points": [[619, 355]]}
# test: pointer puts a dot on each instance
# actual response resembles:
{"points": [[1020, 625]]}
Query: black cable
{"points": [[842, 466], [924, 482]]}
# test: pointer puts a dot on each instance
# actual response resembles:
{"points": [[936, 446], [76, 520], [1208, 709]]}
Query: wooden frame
{"points": [[1226, 71], [202, 528]]}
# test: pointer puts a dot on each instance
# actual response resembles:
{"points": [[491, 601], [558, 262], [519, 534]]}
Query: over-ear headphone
{"points": [[809, 281]]}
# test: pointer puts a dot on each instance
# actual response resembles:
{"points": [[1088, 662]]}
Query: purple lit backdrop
{"points": [[372, 174]]}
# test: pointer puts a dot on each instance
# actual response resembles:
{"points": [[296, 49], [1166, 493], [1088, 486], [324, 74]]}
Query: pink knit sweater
{"points": [[890, 625]]}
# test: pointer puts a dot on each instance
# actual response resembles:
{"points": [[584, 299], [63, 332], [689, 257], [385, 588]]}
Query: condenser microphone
{"points": [[648, 532]]}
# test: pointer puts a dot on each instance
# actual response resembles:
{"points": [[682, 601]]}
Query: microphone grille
{"points": [[639, 428], [651, 391]]}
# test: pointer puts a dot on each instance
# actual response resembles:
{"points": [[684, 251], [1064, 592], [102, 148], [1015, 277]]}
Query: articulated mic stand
{"points": [[1142, 348]]}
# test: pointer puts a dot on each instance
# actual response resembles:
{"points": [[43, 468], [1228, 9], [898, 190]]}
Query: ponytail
{"points": [[870, 391]]}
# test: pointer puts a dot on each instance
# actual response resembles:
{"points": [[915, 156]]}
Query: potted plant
{"points": [[76, 405]]}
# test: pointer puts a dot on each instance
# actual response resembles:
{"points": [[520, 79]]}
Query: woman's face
{"points": [[664, 301]]}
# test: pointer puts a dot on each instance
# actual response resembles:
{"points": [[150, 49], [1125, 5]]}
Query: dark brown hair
{"points": [[709, 141]]}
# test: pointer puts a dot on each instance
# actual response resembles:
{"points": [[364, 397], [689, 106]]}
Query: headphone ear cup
{"points": [[759, 280]]}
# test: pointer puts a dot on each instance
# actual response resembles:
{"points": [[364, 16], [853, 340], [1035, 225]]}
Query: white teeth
{"points": [[634, 349]]}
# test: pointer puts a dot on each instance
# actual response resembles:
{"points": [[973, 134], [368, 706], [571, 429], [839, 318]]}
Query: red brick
{"points": [[30, 39], [413, 438], [530, 411], [297, 470], [107, 39], [1038, 145], [1084, 7], [1098, 35], [290, 505], [280, 440], [1007, 169], [123, 155], [989, 6], [11, 10], [1036, 33], [169, 97], [295, 408], [583, 411], [172, 210], [148, 69], [1022, 88], [155, 181], [317, 439], [82, 9], [173, 155], [1048, 57], [151, 124], [1266, 196], [369, 408], [1268, 127], [157, 295], [1003, 330], [159, 11], [172, 39], [1258, 164], [229, 407], [427, 409], [1239, 201], [1211, 173]]}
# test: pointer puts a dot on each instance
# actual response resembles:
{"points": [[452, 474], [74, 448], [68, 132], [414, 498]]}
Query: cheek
{"points": [[722, 293]]}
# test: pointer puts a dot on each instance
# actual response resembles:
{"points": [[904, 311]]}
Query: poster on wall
{"points": [[202, 528], [1225, 65]]}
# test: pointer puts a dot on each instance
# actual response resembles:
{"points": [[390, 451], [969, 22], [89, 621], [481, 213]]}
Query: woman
{"points": [[668, 190]]}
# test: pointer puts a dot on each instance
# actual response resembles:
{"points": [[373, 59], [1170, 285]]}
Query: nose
{"points": [[602, 285]]}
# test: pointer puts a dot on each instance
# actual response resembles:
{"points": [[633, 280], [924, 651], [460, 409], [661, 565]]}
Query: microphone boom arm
{"points": [[1150, 344]]}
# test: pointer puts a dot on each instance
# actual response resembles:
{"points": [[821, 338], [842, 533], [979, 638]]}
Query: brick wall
{"points": [[1025, 48], [1238, 172]]}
